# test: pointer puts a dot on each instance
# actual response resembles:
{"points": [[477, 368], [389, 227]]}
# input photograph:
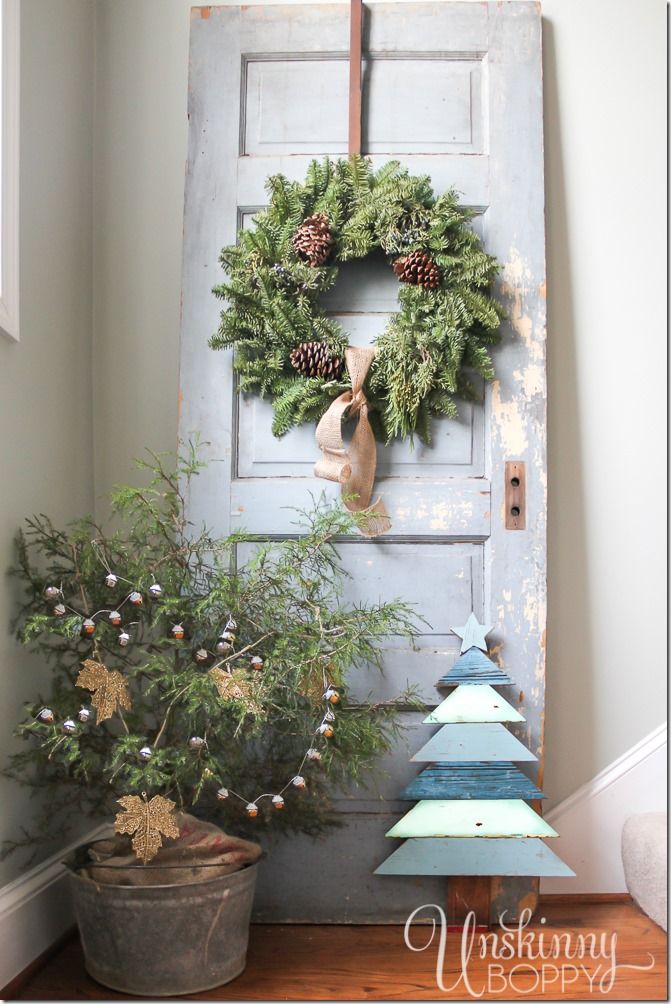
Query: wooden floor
{"points": [[373, 963]]}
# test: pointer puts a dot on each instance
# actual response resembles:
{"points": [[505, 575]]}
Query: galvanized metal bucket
{"points": [[165, 940]]}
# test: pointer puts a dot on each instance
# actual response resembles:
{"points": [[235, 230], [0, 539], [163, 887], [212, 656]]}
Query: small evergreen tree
{"points": [[178, 672]]}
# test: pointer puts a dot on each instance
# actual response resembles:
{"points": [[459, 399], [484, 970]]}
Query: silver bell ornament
{"points": [[84, 714], [69, 726], [111, 580], [146, 753], [123, 638], [223, 647], [52, 593], [196, 743], [155, 591]]}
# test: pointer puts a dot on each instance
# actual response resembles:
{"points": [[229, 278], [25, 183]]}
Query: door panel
{"points": [[453, 90]]}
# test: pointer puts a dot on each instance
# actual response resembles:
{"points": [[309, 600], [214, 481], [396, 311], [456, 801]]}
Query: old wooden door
{"points": [[453, 90]]}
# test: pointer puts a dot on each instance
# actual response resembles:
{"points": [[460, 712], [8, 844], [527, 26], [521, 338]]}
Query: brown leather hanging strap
{"points": [[356, 20]]}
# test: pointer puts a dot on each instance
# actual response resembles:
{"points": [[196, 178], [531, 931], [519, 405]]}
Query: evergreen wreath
{"points": [[287, 349]]}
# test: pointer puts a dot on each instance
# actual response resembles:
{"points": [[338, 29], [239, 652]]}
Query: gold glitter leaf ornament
{"points": [[146, 820], [110, 690], [236, 686]]}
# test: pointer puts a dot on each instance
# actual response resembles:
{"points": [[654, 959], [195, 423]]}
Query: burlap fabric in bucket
{"points": [[179, 861]]}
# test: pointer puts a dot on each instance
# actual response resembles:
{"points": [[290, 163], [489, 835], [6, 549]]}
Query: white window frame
{"points": [[9, 169]]}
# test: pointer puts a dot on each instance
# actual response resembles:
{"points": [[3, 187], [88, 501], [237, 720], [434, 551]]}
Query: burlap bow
{"points": [[354, 468]]}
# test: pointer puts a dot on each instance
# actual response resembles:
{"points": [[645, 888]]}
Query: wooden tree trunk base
{"points": [[466, 893]]}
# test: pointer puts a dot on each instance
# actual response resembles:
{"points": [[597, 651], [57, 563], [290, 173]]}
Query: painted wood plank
{"points": [[474, 856], [471, 780], [504, 817], [473, 703], [486, 741], [474, 667]]}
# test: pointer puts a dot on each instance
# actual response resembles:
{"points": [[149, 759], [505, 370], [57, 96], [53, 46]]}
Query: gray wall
{"points": [[604, 84], [46, 446]]}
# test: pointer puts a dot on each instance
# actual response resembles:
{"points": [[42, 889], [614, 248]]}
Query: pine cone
{"points": [[419, 269], [314, 359], [313, 241]]}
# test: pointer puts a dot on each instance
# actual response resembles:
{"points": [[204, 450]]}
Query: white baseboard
{"points": [[35, 910], [590, 821]]}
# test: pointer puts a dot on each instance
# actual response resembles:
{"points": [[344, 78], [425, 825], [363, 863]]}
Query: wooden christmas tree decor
{"points": [[472, 821]]}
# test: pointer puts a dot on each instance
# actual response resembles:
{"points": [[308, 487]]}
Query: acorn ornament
{"points": [[201, 655], [177, 631], [326, 730], [69, 726], [111, 580], [196, 743], [331, 695], [52, 593], [88, 627], [155, 591], [223, 646], [313, 754], [298, 782], [256, 663], [146, 753], [123, 638], [252, 810], [222, 794], [46, 716], [114, 617], [135, 598], [84, 714], [60, 610], [228, 635], [278, 802]]}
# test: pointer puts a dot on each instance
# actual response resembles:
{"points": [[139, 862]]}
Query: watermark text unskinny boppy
{"points": [[542, 961]]}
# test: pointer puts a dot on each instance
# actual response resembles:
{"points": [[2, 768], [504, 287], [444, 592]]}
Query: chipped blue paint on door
{"points": [[453, 90]]}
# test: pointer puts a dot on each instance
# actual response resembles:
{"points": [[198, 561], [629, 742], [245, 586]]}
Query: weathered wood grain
{"points": [[474, 667], [501, 779]]}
